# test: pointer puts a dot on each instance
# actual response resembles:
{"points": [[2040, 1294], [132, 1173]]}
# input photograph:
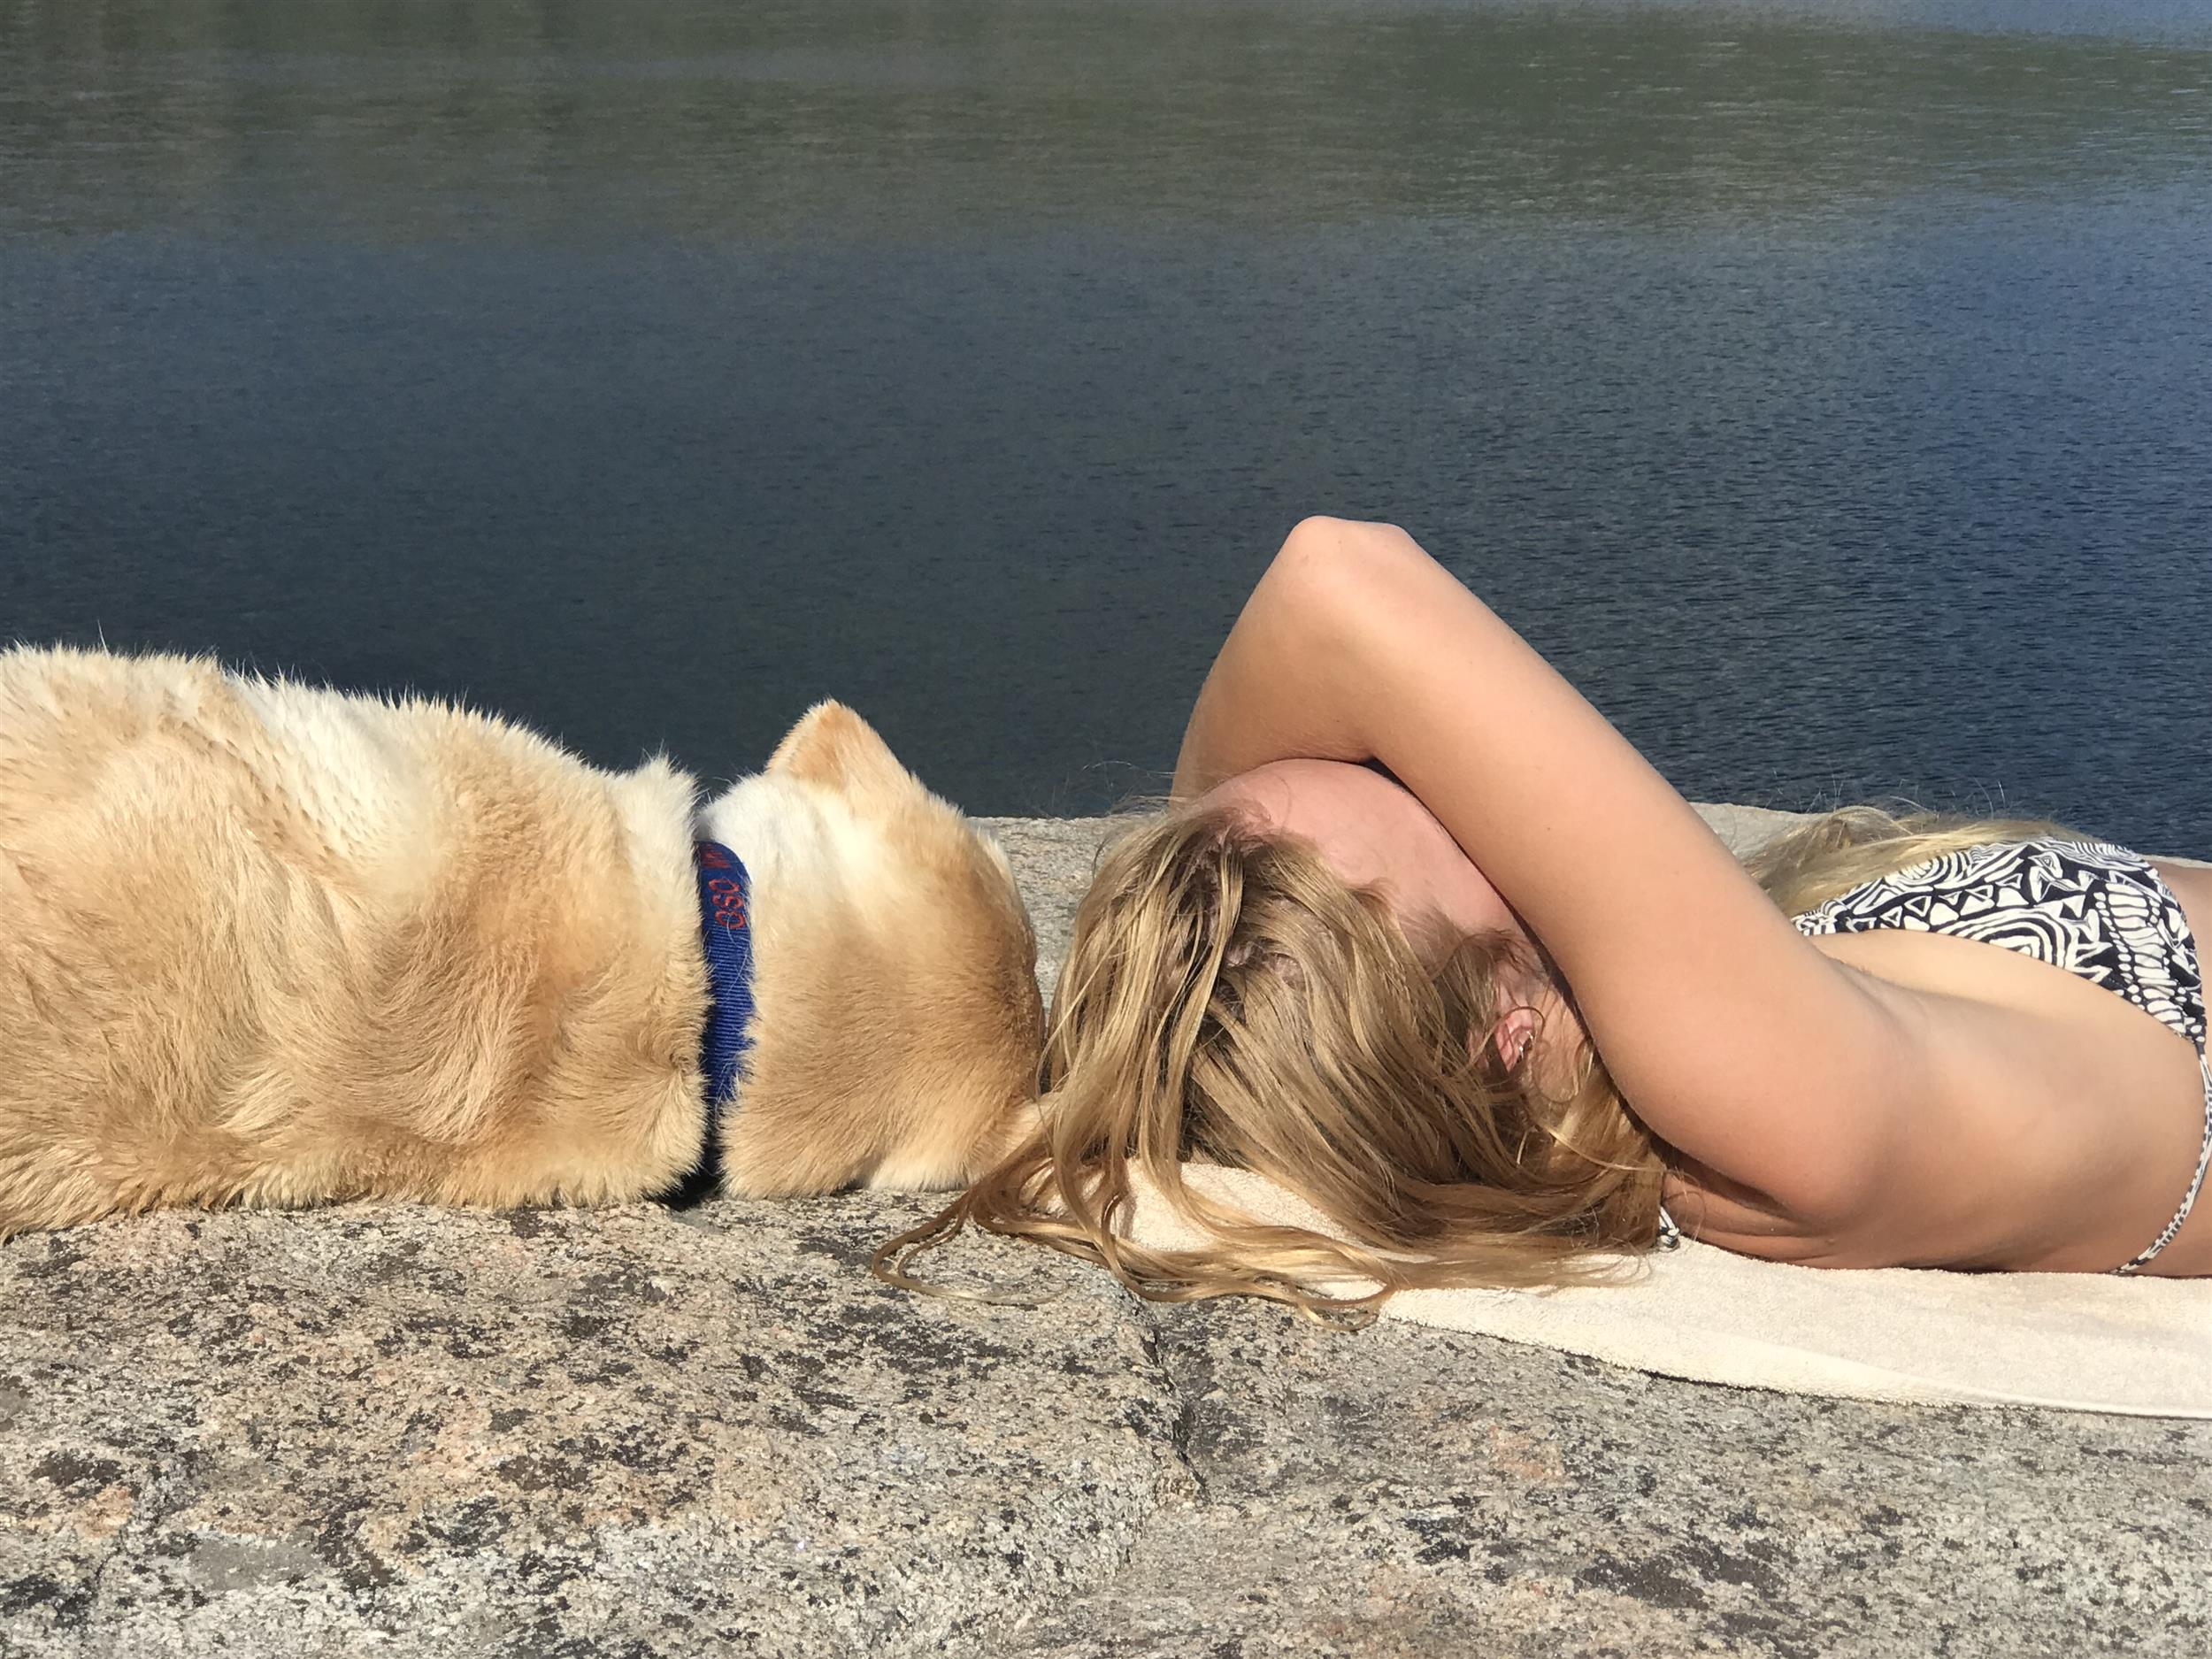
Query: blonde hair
{"points": [[1227, 998]]}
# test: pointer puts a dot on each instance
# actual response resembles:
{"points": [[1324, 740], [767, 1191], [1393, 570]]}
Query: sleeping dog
{"points": [[263, 943]]}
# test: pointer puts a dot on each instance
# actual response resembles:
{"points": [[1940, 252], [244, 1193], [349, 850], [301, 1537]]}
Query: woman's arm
{"points": [[1282, 687], [1730, 1035]]}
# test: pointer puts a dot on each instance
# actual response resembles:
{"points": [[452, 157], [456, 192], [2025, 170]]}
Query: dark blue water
{"points": [[1825, 391]]}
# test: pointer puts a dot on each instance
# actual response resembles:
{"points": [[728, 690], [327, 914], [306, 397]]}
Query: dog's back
{"points": [[264, 943]]}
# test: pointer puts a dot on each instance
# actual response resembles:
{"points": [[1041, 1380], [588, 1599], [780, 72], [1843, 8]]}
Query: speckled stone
{"points": [[1412, 1492], [544, 1432], [643, 1431]]}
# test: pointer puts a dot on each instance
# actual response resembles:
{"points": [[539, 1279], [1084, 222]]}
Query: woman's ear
{"points": [[1512, 1037]]}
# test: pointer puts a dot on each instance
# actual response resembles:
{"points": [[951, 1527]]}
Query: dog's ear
{"points": [[834, 747]]}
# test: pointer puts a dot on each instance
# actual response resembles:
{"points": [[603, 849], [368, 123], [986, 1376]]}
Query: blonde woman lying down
{"points": [[1423, 939]]}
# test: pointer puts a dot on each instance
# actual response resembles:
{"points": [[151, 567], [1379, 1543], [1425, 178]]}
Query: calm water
{"points": [[1828, 388]]}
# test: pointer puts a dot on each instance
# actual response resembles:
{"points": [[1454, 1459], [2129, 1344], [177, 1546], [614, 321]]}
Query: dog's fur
{"points": [[267, 944]]}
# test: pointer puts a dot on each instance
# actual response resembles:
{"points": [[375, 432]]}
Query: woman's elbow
{"points": [[1320, 539], [1328, 564]]}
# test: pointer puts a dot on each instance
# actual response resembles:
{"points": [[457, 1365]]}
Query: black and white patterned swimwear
{"points": [[2091, 908]]}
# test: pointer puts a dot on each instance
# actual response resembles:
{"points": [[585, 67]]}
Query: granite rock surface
{"points": [[644, 1432]]}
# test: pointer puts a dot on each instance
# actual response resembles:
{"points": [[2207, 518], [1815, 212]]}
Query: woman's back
{"points": [[2058, 986]]}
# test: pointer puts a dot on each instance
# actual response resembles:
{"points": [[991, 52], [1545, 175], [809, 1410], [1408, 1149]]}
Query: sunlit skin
{"points": [[1876, 1099], [1374, 833]]}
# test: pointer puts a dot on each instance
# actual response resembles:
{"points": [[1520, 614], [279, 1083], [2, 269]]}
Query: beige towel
{"points": [[2077, 1341]]}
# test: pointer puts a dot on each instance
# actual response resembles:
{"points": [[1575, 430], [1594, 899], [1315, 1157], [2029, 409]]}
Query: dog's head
{"points": [[899, 1027]]}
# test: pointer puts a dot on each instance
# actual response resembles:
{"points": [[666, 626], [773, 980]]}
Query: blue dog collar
{"points": [[727, 924]]}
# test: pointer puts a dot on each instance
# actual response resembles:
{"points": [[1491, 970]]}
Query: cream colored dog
{"points": [[266, 944]]}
